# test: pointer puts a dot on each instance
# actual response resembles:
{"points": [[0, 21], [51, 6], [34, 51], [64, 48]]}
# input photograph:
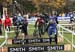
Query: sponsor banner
{"points": [[35, 48], [28, 41], [64, 18], [23, 48], [33, 40]]}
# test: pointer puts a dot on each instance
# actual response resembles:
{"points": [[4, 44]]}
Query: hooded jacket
{"points": [[7, 22]]}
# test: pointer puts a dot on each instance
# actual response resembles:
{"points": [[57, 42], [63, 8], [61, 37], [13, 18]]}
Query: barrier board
{"points": [[66, 47], [33, 40]]}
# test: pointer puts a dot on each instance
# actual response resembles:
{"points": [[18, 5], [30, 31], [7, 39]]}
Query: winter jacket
{"points": [[7, 22]]}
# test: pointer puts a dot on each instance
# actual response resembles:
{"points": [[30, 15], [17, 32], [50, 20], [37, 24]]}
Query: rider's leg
{"points": [[25, 33], [39, 29], [16, 32], [55, 33], [9, 28], [50, 34]]}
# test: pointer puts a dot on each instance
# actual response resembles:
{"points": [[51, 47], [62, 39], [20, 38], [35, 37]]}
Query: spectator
{"points": [[71, 21], [71, 17], [15, 23], [39, 23], [7, 23], [24, 27]]}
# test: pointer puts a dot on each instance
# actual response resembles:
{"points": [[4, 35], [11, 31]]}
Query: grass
{"points": [[30, 32], [1, 40]]}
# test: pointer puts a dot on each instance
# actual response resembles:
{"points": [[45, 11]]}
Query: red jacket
{"points": [[40, 21], [0, 22], [7, 22]]}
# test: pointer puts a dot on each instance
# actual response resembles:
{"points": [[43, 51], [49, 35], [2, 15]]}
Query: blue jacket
{"points": [[20, 18]]}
